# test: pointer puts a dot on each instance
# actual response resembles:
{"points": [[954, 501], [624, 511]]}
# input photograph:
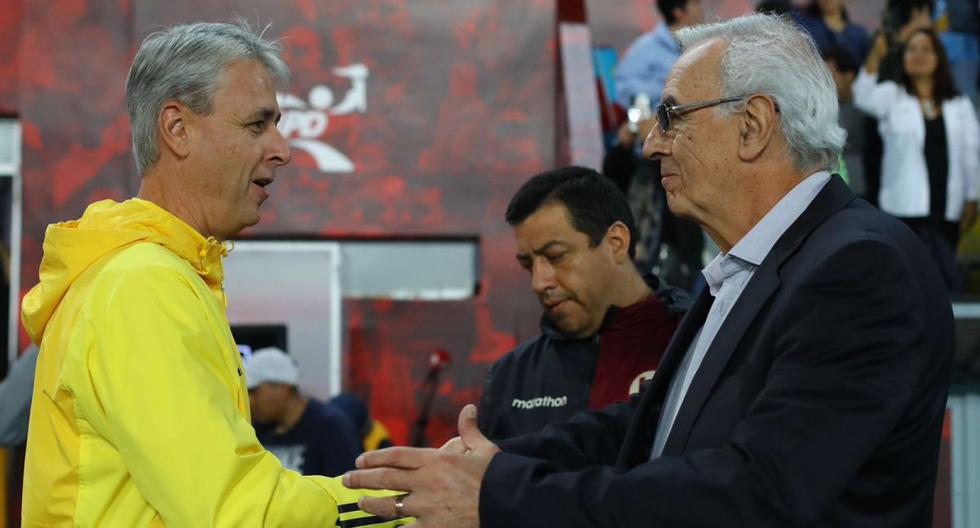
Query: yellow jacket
{"points": [[140, 413]]}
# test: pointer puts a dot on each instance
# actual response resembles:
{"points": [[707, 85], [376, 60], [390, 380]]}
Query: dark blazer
{"points": [[819, 403]]}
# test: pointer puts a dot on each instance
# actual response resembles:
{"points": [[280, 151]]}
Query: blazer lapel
{"points": [[640, 433], [759, 289], [754, 297]]}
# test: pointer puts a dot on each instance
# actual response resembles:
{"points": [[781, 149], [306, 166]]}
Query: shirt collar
{"points": [[756, 244], [720, 269]]}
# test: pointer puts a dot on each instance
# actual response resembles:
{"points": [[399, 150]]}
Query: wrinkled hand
{"points": [[455, 445], [444, 484]]}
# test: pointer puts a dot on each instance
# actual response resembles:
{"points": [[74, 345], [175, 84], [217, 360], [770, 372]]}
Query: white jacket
{"points": [[904, 177]]}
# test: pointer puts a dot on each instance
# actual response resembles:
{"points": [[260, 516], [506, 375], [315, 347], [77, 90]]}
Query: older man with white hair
{"points": [[807, 384]]}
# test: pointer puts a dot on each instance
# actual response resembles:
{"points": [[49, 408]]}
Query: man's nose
{"points": [[657, 144], [542, 278], [280, 149]]}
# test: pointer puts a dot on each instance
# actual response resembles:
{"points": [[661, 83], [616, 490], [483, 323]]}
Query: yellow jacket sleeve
{"points": [[161, 385]]}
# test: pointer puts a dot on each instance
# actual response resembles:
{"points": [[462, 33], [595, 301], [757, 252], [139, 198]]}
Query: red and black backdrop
{"points": [[457, 108]]}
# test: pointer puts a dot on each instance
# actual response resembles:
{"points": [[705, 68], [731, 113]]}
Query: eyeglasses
{"points": [[664, 111]]}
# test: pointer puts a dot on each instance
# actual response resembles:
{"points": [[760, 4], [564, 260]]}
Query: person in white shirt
{"points": [[931, 145]]}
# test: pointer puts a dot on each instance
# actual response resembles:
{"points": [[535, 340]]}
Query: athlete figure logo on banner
{"points": [[303, 122]]}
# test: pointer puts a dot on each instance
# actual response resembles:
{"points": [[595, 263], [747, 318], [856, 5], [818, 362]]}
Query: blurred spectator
{"points": [[306, 435], [959, 24], [931, 145], [665, 245], [844, 70], [15, 399], [899, 19], [373, 434], [828, 24], [648, 60], [604, 327]]}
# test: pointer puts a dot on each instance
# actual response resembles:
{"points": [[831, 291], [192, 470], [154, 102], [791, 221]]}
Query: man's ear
{"points": [[173, 124], [757, 126], [618, 237]]}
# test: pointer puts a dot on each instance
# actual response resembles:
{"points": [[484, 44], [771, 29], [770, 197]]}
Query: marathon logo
{"points": [[544, 401]]}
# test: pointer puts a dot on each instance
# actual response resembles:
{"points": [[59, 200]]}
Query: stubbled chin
{"points": [[564, 320]]}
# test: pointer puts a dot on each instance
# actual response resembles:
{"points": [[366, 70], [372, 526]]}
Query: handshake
{"points": [[438, 487]]}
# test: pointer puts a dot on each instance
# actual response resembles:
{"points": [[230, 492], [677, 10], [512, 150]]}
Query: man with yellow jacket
{"points": [[141, 412]]}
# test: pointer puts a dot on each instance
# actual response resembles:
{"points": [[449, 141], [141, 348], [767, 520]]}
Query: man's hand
{"points": [[455, 445], [919, 18], [443, 484]]}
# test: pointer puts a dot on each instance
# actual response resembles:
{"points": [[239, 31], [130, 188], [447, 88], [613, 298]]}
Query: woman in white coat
{"points": [[931, 145]]}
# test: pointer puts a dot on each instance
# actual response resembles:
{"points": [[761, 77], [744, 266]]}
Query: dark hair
{"points": [[775, 7], [667, 7], [593, 202], [943, 87], [841, 58], [813, 9], [898, 12]]}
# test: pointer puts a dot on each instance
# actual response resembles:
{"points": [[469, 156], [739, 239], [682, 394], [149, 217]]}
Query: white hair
{"points": [[185, 63], [768, 54]]}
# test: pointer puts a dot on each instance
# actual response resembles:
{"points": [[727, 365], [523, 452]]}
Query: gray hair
{"points": [[768, 54], [186, 63]]}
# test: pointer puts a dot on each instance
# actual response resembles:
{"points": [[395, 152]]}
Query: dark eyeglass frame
{"points": [[664, 111]]}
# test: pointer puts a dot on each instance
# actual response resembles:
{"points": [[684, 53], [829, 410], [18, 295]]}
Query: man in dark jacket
{"points": [[807, 385], [605, 326]]}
